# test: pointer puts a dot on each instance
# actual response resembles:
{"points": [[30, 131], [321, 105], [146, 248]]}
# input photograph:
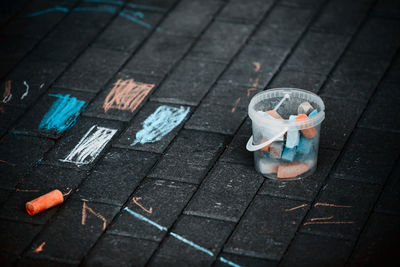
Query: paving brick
{"points": [[96, 108], [114, 250], [331, 251], [8, 259], [387, 8], [214, 118], [382, 113], [379, 37], [315, 4], [225, 192], [243, 69], [31, 121], [128, 137], [221, 41], [317, 53], [266, 229], [189, 82], [20, 153], [304, 189], [341, 116], [3, 196], [190, 17], [295, 79], [245, 261], [116, 176], [92, 70], [67, 237], [158, 54], [160, 6], [189, 157], [236, 151], [369, 156], [389, 200], [8, 116], [166, 200], [38, 76], [351, 15], [72, 138], [126, 35], [250, 12], [16, 236], [45, 178], [388, 89], [206, 233], [378, 243], [283, 26], [392, 74], [359, 197], [355, 77], [35, 260]]}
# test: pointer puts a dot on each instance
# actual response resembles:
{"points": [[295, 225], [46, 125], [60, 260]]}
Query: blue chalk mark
{"points": [[146, 7], [133, 13], [190, 243], [288, 153], [140, 217], [54, 9], [228, 262], [109, 9], [63, 113], [160, 123], [305, 145], [292, 137], [115, 2], [124, 13], [313, 113]]}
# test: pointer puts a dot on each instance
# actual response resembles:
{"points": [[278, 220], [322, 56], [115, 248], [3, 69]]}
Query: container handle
{"points": [[251, 147]]}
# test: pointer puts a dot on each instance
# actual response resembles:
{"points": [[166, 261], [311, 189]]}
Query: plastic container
{"points": [[285, 148]]}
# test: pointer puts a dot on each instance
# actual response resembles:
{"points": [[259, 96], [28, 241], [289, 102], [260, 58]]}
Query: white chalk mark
{"points": [[26, 91], [90, 146], [41, 86]]}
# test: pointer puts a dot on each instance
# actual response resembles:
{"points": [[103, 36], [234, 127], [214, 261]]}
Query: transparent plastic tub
{"points": [[286, 125]]}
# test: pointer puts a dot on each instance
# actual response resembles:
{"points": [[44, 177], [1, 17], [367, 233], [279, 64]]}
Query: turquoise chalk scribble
{"points": [[160, 123], [63, 114]]}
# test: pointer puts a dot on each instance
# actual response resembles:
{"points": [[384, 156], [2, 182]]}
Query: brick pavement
{"points": [[190, 196]]}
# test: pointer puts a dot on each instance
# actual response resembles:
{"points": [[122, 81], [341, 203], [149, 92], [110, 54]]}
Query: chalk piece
{"points": [[276, 149], [305, 145], [292, 170], [268, 166], [313, 113], [274, 114], [288, 153], [269, 131], [266, 148], [293, 136], [305, 108], [309, 132], [44, 202]]}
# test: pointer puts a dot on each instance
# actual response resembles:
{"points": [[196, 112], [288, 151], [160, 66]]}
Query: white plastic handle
{"points": [[251, 147]]}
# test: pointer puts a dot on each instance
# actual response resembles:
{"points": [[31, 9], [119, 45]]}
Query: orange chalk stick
{"points": [[266, 148], [274, 114], [44, 202], [309, 132], [292, 170]]}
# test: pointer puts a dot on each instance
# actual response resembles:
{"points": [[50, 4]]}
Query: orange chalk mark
{"points": [[8, 163], [69, 192], [126, 95], [235, 105], [136, 199], [321, 218], [257, 66], [39, 248], [297, 207], [331, 222], [98, 215], [331, 205]]}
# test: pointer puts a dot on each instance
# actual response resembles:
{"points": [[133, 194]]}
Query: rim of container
{"points": [[280, 92]]}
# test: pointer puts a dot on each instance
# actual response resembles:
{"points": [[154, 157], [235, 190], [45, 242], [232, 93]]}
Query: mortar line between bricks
{"points": [[338, 158], [52, 218]]}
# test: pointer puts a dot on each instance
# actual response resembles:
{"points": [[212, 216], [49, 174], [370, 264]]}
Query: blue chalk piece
{"points": [[305, 145], [293, 136], [63, 114], [160, 123], [313, 113], [288, 153]]}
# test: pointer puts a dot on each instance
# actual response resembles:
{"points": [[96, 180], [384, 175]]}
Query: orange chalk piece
{"points": [[274, 114], [309, 132], [44, 202], [292, 170], [266, 148]]}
